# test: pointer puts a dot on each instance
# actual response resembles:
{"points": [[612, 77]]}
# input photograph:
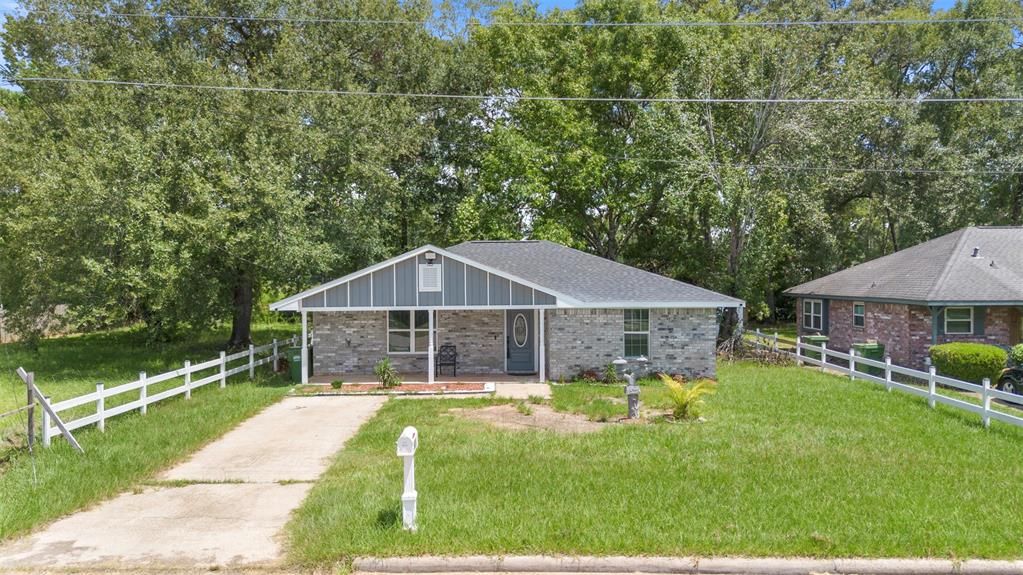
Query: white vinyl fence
{"points": [[217, 371], [915, 382]]}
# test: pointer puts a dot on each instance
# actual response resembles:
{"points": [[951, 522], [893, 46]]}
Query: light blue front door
{"points": [[519, 335]]}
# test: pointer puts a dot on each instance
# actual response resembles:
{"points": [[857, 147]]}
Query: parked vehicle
{"points": [[1011, 380]]}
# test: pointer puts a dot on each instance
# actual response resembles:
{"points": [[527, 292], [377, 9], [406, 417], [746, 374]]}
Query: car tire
{"points": [[1009, 385]]}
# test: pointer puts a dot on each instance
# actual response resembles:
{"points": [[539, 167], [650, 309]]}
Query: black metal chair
{"points": [[446, 355]]}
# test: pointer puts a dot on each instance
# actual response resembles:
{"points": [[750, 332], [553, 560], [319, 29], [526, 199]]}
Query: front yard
{"points": [[789, 462]]}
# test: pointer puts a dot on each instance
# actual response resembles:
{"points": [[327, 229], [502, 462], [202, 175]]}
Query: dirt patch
{"points": [[508, 416]]}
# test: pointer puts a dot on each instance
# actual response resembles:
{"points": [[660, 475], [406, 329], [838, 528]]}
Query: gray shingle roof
{"points": [[585, 277], [941, 270]]}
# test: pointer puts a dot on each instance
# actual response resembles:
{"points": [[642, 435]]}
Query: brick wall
{"points": [[353, 342], [681, 341], [905, 330]]}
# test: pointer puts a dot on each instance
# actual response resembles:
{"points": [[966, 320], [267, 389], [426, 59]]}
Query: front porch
{"points": [[422, 378]]}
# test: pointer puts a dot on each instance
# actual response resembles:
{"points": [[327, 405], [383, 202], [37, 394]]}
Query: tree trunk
{"points": [[241, 322]]}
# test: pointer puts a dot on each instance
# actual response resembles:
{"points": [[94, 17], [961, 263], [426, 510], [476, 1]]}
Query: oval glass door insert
{"points": [[519, 331]]}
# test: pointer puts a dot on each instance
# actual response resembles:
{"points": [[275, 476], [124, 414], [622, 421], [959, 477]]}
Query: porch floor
{"points": [[414, 378]]}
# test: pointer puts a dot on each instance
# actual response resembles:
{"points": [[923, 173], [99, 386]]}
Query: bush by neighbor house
{"points": [[969, 361]]}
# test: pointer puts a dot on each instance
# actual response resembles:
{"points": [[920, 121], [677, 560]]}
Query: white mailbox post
{"points": [[408, 442]]}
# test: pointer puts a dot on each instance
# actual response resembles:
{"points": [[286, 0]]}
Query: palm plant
{"points": [[686, 398], [386, 373]]}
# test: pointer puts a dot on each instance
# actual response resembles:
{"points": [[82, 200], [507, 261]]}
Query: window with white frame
{"points": [[813, 314], [959, 320], [409, 331], [859, 314], [637, 332]]}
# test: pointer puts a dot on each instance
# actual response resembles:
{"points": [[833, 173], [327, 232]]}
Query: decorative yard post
{"points": [[631, 389], [408, 442]]}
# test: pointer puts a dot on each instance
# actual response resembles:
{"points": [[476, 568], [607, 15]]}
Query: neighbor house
{"points": [[964, 286], [532, 308]]}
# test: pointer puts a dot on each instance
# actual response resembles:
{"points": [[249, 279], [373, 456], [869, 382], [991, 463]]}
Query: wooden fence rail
{"points": [[255, 356], [928, 378]]}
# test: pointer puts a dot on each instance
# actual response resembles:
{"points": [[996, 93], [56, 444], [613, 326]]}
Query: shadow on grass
{"points": [[389, 518]]}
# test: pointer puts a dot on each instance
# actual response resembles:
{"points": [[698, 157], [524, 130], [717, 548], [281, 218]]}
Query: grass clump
{"points": [[524, 408]]}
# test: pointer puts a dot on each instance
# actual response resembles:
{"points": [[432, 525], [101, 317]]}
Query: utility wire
{"points": [[543, 23], [484, 97]]}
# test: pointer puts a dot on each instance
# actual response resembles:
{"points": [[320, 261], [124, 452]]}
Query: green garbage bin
{"points": [[295, 363], [870, 350], [814, 340]]}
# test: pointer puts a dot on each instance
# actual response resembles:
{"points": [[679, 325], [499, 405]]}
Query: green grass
{"points": [[69, 366], [790, 462], [59, 480]]}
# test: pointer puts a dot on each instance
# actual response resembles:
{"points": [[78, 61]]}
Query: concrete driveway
{"points": [[225, 506]]}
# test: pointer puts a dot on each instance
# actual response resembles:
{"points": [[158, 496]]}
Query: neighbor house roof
{"points": [[972, 265], [586, 278], [542, 272]]}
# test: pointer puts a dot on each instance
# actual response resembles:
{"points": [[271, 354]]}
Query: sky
{"points": [[10, 6]]}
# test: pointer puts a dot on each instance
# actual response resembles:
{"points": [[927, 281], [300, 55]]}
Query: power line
{"points": [[483, 97], [545, 23]]}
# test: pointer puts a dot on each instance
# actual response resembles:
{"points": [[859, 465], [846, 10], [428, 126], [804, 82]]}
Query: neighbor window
{"points": [[858, 314], [409, 331], [959, 320], [813, 314], [637, 332]]}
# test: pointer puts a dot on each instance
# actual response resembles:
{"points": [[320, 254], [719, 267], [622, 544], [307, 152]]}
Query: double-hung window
{"points": [[637, 332], [408, 331], [959, 320], [813, 313], [859, 314]]}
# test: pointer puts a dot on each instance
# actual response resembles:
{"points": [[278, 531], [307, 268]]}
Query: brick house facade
{"points": [[908, 331]]}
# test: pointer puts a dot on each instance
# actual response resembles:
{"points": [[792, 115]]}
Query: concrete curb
{"points": [[686, 565]]}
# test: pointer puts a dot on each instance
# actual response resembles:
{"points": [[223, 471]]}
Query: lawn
{"points": [[789, 462], [70, 366]]}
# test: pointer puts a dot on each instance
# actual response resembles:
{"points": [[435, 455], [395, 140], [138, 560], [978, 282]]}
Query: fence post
{"points": [[223, 370], [931, 372], [31, 409], [188, 379], [142, 393], [987, 402], [852, 364], [252, 361], [799, 352], [276, 359], [101, 422], [46, 424], [824, 356], [888, 372], [775, 342]]}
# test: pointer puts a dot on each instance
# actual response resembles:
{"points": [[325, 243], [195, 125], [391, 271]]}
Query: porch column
{"points": [[429, 348], [305, 347], [543, 349]]}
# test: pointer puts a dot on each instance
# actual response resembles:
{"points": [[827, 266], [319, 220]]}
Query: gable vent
{"points": [[429, 277]]}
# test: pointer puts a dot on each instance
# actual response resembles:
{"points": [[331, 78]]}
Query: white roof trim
{"points": [[293, 303]]}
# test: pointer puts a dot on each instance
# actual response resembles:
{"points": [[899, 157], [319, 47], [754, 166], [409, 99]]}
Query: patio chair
{"points": [[446, 355]]}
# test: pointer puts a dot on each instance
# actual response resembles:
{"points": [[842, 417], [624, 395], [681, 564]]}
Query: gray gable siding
{"points": [[500, 291], [475, 286], [454, 283], [338, 296], [383, 287], [521, 295], [359, 292], [543, 298], [405, 282], [315, 300]]}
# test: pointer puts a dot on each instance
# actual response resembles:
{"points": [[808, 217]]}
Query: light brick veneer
{"points": [[682, 341], [353, 342]]}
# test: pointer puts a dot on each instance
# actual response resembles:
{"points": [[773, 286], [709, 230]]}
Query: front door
{"points": [[519, 336]]}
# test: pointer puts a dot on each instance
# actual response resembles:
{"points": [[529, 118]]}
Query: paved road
{"points": [[235, 497]]}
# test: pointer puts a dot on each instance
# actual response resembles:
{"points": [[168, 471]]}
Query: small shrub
{"points": [[587, 376], [386, 373], [1016, 354], [968, 361], [686, 398], [610, 374], [336, 384]]}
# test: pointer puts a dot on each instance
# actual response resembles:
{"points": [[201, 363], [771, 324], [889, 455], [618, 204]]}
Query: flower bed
{"points": [[407, 389]]}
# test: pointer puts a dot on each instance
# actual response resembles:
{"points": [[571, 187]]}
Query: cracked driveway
{"points": [[225, 506]]}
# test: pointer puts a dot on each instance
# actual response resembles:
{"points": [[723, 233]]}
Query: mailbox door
{"points": [[521, 341]]}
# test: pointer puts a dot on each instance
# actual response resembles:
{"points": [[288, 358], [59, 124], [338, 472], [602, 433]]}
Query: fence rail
{"points": [[930, 378], [256, 356]]}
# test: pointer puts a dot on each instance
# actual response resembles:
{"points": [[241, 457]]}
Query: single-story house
{"points": [[964, 286], [532, 308]]}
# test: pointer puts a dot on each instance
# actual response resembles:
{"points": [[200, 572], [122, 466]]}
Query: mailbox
{"points": [[408, 442]]}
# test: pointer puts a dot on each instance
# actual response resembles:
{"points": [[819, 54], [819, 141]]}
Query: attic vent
{"points": [[976, 252], [429, 277]]}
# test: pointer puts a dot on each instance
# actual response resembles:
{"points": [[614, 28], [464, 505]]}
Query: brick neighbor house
{"points": [[529, 309], [964, 286]]}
